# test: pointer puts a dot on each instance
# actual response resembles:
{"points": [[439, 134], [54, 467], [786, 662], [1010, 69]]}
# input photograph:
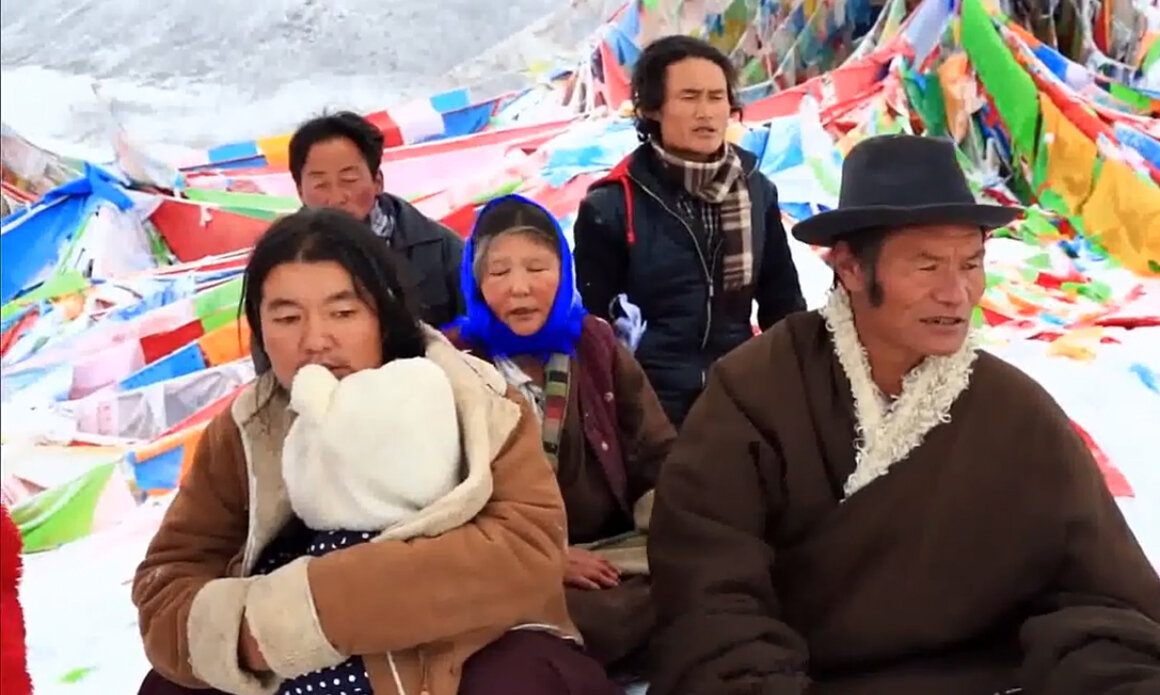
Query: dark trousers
{"points": [[523, 662]]}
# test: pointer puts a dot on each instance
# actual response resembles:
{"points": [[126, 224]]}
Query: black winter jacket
{"points": [[655, 257], [433, 254]]}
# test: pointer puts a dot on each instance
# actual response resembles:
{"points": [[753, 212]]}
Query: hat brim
{"points": [[828, 228]]}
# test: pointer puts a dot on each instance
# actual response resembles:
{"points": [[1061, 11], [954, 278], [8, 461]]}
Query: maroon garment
{"points": [[597, 349], [529, 662], [524, 662]]}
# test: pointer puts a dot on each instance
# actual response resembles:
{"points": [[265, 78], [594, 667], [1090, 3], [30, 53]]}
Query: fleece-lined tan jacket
{"points": [[431, 601]]}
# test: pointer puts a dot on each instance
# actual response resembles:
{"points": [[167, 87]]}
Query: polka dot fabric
{"points": [[349, 677]]}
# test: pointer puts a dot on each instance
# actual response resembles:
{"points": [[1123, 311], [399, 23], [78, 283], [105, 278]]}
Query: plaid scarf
{"points": [[557, 378], [549, 401], [722, 183]]}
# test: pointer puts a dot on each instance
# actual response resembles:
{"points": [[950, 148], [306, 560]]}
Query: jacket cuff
{"points": [[282, 617], [642, 510], [212, 629]]}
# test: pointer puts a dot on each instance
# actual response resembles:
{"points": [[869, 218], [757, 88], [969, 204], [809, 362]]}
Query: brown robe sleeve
{"points": [[718, 628], [645, 430], [203, 530], [1098, 628]]}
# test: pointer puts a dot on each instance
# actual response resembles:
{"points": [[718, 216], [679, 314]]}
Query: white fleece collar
{"points": [[886, 433]]}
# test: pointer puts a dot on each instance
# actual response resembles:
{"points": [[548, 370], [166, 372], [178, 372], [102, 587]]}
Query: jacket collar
{"points": [[412, 227], [486, 419], [643, 166], [886, 433]]}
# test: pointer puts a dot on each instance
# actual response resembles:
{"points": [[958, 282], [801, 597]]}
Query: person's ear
{"points": [[846, 266]]}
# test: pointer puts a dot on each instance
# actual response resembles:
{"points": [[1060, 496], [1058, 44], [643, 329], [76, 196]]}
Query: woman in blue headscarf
{"points": [[603, 427]]}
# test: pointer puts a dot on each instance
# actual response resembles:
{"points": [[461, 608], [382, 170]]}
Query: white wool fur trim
{"points": [[371, 450], [885, 435]]}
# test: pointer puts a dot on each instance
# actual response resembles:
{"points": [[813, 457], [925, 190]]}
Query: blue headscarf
{"points": [[483, 328]]}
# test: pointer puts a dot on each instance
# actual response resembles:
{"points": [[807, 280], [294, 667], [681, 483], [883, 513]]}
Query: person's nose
{"points": [[520, 286], [953, 289], [315, 337]]}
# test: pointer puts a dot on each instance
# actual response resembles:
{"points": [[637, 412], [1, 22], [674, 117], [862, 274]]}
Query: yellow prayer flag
{"points": [[1080, 344], [1071, 156], [959, 97], [276, 150], [1124, 212]]}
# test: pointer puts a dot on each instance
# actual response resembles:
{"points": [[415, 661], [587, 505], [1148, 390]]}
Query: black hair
{"points": [[326, 234], [866, 248], [345, 125], [649, 77]]}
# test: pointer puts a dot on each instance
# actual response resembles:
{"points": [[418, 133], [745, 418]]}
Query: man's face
{"points": [[696, 110], [931, 279], [312, 313], [335, 175]]}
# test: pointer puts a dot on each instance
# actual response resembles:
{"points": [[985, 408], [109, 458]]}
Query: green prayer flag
{"points": [[258, 205], [1129, 96], [1152, 57], [64, 513], [59, 285], [1040, 261], [1009, 85], [924, 92], [509, 187], [219, 318], [77, 675], [227, 296]]}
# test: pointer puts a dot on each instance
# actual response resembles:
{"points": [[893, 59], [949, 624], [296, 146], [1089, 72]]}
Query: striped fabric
{"points": [[557, 378], [446, 115]]}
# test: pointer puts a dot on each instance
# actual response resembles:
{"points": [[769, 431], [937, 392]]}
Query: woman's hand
{"points": [[249, 653], [587, 570]]}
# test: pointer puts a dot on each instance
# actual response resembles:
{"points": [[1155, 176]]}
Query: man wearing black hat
{"points": [[863, 503]]}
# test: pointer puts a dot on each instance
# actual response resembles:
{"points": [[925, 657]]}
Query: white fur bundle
{"points": [[370, 450]]}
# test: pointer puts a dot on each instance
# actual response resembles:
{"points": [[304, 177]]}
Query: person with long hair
{"points": [[230, 596]]}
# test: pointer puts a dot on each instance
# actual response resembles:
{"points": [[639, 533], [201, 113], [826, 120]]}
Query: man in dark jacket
{"points": [[686, 227], [335, 162]]}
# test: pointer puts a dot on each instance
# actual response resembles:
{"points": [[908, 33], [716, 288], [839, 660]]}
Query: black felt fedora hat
{"points": [[899, 181]]}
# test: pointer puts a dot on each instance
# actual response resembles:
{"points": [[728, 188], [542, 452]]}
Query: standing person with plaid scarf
{"points": [[685, 228]]}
